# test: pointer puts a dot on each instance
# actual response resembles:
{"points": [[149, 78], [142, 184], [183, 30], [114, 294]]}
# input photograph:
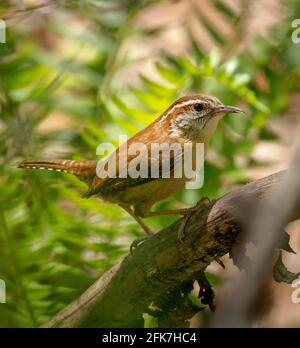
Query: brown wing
{"points": [[150, 135]]}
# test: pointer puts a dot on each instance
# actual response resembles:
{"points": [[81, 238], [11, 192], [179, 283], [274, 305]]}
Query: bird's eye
{"points": [[198, 107]]}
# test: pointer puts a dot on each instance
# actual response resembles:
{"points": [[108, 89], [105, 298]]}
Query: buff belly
{"points": [[142, 197]]}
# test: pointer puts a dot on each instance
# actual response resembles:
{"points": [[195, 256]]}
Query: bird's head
{"points": [[195, 117]]}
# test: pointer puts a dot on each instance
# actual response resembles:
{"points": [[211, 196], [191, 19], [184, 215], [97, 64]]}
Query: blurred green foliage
{"points": [[54, 244]]}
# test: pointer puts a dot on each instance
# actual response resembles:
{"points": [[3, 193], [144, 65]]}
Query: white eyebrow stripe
{"points": [[185, 103]]}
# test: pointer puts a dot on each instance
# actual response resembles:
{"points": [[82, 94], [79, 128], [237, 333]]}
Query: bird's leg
{"points": [[186, 212], [146, 229]]}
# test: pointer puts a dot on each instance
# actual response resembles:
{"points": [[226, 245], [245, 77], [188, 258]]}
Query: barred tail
{"points": [[84, 169]]}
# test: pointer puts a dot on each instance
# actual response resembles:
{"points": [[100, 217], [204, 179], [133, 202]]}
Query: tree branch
{"points": [[266, 229], [163, 267]]}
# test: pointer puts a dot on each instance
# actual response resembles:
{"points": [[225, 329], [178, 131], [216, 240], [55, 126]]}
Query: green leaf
{"points": [[150, 322], [157, 88], [169, 74]]}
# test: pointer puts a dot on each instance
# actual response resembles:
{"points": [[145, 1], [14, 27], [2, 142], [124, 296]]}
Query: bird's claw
{"points": [[136, 243]]}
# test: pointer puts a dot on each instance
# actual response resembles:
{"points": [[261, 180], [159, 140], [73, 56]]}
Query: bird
{"points": [[190, 120]]}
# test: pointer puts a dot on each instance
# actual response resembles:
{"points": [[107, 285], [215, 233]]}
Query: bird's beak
{"points": [[228, 108]]}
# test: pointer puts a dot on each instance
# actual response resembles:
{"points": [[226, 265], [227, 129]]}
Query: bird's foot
{"points": [[137, 242], [188, 212]]}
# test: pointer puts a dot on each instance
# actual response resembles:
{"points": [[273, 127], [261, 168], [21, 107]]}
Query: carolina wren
{"points": [[190, 120]]}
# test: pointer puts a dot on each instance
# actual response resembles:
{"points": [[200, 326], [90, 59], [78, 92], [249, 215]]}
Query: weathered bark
{"points": [[162, 266], [241, 299]]}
